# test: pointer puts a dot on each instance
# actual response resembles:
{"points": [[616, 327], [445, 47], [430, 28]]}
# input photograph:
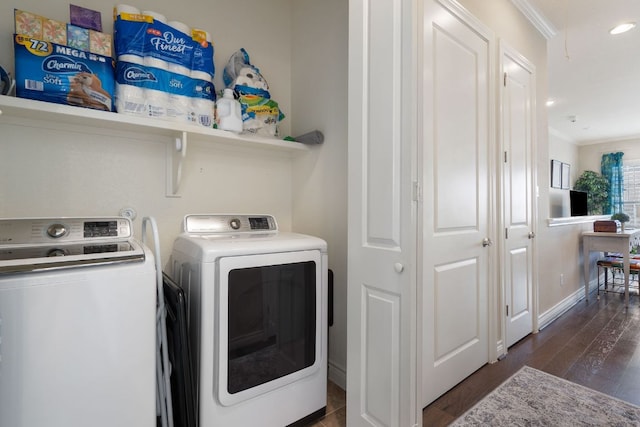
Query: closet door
{"points": [[456, 131], [518, 203], [381, 350]]}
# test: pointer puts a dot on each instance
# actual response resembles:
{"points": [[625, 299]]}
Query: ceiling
{"points": [[594, 77]]}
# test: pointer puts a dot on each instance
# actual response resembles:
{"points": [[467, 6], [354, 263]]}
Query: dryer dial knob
{"points": [[235, 223], [56, 230]]}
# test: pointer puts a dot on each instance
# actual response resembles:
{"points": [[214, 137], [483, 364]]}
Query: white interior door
{"points": [[381, 350], [517, 136], [455, 110]]}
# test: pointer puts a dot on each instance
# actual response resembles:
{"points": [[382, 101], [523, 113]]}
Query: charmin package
{"points": [[55, 73], [138, 76]]}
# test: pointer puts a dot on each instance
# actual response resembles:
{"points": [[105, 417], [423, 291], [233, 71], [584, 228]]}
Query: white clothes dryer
{"points": [[257, 319], [77, 324]]}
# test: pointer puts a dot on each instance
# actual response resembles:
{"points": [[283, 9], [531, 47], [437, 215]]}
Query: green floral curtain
{"points": [[611, 168]]}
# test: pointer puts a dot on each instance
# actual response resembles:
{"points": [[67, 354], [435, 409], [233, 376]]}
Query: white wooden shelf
{"points": [[177, 133], [573, 220]]}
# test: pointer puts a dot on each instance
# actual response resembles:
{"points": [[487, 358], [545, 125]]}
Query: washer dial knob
{"points": [[56, 231]]}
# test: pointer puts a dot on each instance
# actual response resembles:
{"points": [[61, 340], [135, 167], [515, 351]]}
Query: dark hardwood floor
{"points": [[595, 343]]}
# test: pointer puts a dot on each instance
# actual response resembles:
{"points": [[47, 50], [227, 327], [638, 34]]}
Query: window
{"points": [[631, 192]]}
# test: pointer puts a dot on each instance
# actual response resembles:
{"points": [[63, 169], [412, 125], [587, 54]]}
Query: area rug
{"points": [[534, 398]]}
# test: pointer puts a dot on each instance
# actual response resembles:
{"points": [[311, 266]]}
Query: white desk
{"points": [[608, 242]]}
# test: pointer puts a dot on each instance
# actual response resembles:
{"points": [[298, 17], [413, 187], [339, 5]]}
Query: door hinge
{"points": [[417, 192], [506, 233], [505, 79], [507, 311], [505, 157]]}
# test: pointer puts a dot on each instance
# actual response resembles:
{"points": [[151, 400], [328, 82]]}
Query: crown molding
{"points": [[539, 21]]}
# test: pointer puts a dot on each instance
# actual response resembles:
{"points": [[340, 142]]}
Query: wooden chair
{"points": [[614, 262]]}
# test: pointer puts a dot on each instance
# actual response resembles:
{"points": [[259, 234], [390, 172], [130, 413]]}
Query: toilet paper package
{"points": [[168, 95], [51, 72]]}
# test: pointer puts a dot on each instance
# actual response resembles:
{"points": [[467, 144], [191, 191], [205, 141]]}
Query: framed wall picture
{"points": [[566, 176], [556, 174]]}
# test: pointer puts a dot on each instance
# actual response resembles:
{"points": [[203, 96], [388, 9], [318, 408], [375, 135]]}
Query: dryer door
{"points": [[269, 328]]}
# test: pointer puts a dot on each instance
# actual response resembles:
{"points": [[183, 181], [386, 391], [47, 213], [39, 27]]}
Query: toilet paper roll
{"points": [[130, 100], [157, 103], [155, 15], [134, 59], [203, 111], [125, 8]]}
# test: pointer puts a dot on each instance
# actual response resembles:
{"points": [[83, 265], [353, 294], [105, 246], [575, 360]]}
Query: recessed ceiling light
{"points": [[622, 28]]}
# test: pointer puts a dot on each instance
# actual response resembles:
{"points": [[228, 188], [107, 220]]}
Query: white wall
{"points": [[566, 152], [319, 98], [47, 169], [590, 155]]}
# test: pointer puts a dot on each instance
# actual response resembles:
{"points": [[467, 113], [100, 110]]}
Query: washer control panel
{"points": [[28, 231], [225, 224]]}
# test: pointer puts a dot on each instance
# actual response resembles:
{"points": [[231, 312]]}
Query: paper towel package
{"points": [[55, 73], [164, 69], [143, 36]]}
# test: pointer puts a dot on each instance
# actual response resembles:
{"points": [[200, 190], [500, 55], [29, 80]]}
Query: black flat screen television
{"points": [[578, 203]]}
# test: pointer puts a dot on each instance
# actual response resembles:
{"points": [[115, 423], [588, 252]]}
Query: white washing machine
{"points": [[77, 324], [257, 319]]}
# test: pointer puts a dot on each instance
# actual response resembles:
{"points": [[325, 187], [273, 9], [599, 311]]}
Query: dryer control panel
{"points": [[225, 224]]}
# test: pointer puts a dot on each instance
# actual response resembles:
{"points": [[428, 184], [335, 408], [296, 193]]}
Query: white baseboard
{"points": [[338, 375], [501, 351], [559, 309]]}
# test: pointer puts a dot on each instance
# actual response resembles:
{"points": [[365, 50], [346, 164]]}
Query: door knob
{"points": [[532, 234], [486, 242], [399, 268]]}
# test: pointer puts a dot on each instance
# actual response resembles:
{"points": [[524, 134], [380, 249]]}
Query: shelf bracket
{"points": [[176, 152]]}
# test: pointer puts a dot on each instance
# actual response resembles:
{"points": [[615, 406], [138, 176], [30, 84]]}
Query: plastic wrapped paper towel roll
{"points": [[180, 26], [125, 8], [196, 74], [184, 28], [155, 15], [133, 59], [150, 61]]}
